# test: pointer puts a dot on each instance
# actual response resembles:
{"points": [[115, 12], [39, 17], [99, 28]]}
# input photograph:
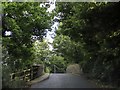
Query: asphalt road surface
{"points": [[64, 81]]}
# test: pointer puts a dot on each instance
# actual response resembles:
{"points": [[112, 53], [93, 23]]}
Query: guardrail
{"points": [[56, 67], [29, 74]]}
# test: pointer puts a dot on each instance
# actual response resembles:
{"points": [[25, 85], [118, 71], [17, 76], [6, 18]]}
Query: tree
{"points": [[26, 22], [57, 64], [96, 27], [65, 47], [41, 52]]}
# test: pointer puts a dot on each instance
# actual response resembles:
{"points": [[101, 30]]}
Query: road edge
{"points": [[39, 79]]}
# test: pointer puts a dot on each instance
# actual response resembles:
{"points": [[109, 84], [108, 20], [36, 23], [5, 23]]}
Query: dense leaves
{"points": [[26, 22], [22, 24], [96, 27], [43, 55], [41, 52], [68, 49], [88, 34]]}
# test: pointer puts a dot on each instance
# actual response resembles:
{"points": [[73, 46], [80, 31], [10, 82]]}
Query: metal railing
{"points": [[57, 68]]}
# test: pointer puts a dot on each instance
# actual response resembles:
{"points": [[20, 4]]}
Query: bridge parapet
{"points": [[29, 74]]}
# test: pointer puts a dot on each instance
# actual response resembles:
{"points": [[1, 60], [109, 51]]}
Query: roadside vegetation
{"points": [[88, 35]]}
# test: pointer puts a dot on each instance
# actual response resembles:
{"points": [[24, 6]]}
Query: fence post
{"points": [[30, 74], [54, 69]]}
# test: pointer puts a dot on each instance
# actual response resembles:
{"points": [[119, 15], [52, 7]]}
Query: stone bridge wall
{"points": [[73, 68]]}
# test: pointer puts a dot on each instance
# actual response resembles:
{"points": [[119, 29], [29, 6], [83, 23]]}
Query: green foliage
{"points": [[41, 52], [7, 82], [88, 34], [27, 22], [58, 63], [17, 84], [49, 58], [47, 69], [94, 26], [67, 48]]}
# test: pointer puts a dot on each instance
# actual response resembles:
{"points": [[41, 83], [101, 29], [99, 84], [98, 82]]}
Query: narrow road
{"points": [[64, 81]]}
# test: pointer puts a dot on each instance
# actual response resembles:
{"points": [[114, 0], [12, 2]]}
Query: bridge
{"points": [[71, 79], [56, 80], [65, 80]]}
